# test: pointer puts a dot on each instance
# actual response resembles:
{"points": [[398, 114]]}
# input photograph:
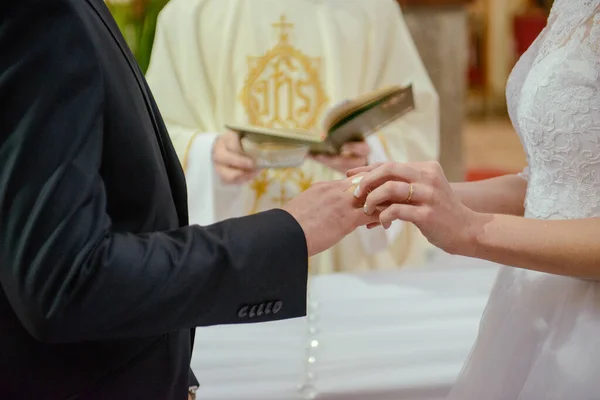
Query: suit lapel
{"points": [[115, 32], [112, 27], [176, 179]]}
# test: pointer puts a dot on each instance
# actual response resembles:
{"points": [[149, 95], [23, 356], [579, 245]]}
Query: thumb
{"points": [[233, 143], [360, 149], [360, 170]]}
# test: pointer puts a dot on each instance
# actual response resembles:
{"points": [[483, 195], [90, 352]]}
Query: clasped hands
{"points": [[418, 193], [377, 195]]}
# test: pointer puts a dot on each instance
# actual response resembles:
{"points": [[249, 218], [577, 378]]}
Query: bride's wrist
{"points": [[471, 243]]}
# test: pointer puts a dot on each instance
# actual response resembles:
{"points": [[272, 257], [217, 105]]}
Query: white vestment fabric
{"points": [[283, 63]]}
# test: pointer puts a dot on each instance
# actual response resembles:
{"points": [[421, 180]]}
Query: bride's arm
{"points": [[501, 234], [561, 247], [565, 247], [501, 195]]}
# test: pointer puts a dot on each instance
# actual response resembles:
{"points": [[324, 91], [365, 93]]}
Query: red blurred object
{"points": [[481, 174], [475, 76], [527, 27], [476, 67]]}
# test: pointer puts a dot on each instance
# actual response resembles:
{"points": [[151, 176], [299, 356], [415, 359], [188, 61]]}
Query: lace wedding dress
{"points": [[540, 334]]}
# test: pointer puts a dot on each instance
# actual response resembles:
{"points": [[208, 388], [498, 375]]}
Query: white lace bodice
{"points": [[553, 97]]}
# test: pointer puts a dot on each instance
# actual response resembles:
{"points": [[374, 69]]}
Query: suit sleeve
{"points": [[68, 275], [192, 380]]}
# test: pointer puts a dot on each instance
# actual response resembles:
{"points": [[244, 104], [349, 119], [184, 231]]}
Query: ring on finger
{"points": [[355, 182], [411, 192]]}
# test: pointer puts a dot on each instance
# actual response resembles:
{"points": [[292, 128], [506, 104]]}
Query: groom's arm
{"points": [[68, 274]]}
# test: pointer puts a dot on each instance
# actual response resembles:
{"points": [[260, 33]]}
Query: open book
{"points": [[352, 120]]}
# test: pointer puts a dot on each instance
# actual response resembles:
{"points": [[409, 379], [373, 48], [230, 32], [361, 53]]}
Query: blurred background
{"points": [[469, 48]]}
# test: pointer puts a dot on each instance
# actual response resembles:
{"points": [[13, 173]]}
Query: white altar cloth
{"points": [[399, 335]]}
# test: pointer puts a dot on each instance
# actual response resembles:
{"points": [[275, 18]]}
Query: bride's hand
{"points": [[417, 193]]}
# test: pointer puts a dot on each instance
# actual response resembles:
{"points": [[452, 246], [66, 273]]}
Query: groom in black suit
{"points": [[101, 279]]}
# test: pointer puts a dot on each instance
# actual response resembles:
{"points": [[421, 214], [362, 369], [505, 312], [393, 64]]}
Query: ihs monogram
{"points": [[283, 89]]}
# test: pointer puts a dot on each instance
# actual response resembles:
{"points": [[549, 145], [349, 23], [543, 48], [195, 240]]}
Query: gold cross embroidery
{"points": [[283, 25]]}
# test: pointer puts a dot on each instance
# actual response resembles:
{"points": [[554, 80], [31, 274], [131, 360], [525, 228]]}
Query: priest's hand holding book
{"points": [[235, 166], [232, 164], [352, 155], [340, 143]]}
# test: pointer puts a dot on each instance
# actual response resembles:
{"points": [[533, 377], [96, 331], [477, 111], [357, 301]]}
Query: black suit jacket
{"points": [[101, 278]]}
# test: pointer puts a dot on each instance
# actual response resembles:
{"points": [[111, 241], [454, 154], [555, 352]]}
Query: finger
{"points": [[346, 182], [373, 225], [362, 219], [226, 174], [360, 149], [243, 178], [354, 181], [402, 212], [392, 192], [340, 185], [348, 187], [348, 163], [248, 176], [384, 173], [319, 158], [341, 163], [355, 210], [330, 161], [233, 143], [363, 169], [233, 175], [234, 160]]}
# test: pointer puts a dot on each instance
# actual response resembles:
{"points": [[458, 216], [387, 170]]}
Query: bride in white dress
{"points": [[540, 335]]}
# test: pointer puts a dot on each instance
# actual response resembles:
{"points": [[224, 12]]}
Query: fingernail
{"points": [[366, 209], [387, 225], [357, 191], [357, 180]]}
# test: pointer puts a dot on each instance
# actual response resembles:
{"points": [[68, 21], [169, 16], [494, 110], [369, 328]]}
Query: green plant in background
{"points": [[137, 21]]}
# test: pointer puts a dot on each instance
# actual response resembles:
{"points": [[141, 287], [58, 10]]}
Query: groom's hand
{"points": [[327, 212]]}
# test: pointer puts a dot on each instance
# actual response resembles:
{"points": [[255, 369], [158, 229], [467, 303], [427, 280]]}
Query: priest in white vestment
{"points": [[283, 63]]}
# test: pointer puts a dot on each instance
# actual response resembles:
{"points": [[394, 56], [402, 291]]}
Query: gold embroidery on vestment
{"points": [[283, 89]]}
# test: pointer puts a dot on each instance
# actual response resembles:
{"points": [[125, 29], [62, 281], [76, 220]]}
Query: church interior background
{"points": [[497, 32]]}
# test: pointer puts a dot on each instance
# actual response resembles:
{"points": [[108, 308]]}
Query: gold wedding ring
{"points": [[353, 188], [411, 191], [355, 183]]}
